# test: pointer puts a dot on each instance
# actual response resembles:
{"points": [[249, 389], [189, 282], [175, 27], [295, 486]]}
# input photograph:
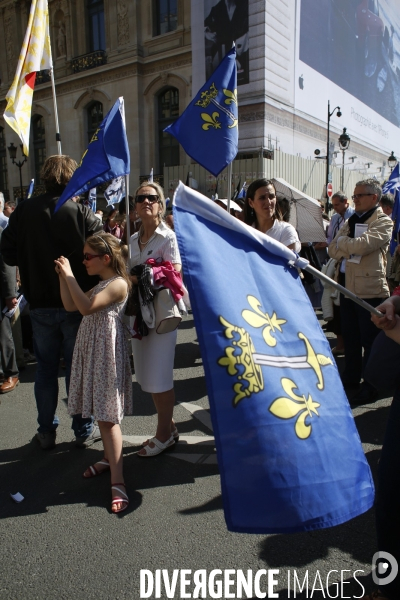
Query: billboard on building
{"points": [[348, 52], [225, 23]]}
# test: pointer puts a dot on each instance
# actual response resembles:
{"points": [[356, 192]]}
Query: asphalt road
{"points": [[62, 541]]}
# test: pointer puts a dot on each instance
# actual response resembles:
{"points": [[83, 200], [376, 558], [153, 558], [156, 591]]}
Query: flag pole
{"points": [[343, 290], [128, 221], [229, 193], [53, 87]]}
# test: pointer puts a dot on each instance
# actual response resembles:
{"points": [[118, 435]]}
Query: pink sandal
{"points": [[119, 499], [93, 472]]}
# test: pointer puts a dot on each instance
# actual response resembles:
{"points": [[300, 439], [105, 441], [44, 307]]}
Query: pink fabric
{"points": [[164, 274]]}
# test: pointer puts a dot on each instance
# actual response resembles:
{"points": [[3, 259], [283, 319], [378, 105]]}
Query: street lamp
{"points": [[12, 150], [339, 114], [392, 161], [344, 143]]}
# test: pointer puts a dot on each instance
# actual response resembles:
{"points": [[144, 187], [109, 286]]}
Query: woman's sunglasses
{"points": [[152, 198], [90, 256]]}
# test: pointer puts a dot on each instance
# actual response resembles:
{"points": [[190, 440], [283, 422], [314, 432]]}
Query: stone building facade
{"points": [[102, 49]]}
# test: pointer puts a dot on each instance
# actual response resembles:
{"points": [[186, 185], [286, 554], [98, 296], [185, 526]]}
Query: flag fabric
{"points": [[208, 128], [393, 183], [238, 188], [35, 56], [115, 191], [289, 453], [242, 193], [30, 189], [392, 186], [150, 179], [106, 158], [91, 200]]}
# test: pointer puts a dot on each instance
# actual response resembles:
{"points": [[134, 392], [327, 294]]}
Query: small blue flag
{"points": [[392, 186], [106, 157], [91, 201], [242, 193], [289, 453], [30, 189], [208, 128]]}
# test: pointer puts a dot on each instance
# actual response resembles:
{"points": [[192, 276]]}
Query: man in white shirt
{"points": [[342, 210]]}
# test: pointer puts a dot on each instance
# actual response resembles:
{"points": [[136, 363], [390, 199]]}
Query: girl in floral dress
{"points": [[101, 379]]}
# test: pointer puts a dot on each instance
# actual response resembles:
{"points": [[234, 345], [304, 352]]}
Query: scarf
{"points": [[354, 219]]}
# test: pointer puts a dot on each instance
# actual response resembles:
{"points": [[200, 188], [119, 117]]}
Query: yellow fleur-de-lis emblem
{"points": [[231, 96], [287, 408], [210, 121], [260, 319]]}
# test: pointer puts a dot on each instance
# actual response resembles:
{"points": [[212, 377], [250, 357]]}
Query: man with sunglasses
{"points": [[34, 238], [360, 246]]}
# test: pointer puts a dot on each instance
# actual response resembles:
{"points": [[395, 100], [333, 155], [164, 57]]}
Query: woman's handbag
{"points": [[168, 316], [132, 307]]}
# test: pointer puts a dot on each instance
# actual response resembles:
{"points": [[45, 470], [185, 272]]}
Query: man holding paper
{"points": [[360, 246]]}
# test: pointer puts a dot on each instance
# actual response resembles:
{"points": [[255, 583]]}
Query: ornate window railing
{"points": [[89, 61], [42, 77]]}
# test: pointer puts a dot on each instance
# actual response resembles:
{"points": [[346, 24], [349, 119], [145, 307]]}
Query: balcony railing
{"points": [[89, 61], [38, 189], [42, 77]]}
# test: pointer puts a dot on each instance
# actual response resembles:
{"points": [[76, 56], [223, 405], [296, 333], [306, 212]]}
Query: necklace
{"points": [[144, 244]]}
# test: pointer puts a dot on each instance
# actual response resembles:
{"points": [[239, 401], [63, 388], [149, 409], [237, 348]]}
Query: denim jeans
{"points": [[54, 329]]}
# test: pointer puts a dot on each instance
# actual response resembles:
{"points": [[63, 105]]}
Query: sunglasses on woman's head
{"points": [[87, 256], [152, 198]]}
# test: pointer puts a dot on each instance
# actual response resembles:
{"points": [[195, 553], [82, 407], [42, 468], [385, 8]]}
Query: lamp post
{"points": [[344, 143], [392, 161], [12, 150], [339, 114]]}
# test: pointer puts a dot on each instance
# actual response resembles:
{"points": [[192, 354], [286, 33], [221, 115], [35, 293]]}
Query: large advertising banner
{"points": [[226, 22], [348, 52]]}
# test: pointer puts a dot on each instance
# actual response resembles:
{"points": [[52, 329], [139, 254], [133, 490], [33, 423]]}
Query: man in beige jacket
{"points": [[361, 246]]}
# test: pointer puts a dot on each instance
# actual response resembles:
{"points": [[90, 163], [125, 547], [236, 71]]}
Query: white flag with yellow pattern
{"points": [[35, 56]]}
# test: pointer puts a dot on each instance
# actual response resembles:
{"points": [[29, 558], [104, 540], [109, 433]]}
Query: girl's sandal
{"points": [[92, 471], [118, 499], [175, 435]]}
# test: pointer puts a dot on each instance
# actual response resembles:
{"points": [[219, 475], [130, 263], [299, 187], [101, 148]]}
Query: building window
{"points": [[165, 16], [97, 36], [168, 112], [3, 163], [39, 145], [94, 118]]}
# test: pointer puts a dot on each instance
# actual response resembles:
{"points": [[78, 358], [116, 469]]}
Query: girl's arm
{"points": [[114, 292], [66, 297]]}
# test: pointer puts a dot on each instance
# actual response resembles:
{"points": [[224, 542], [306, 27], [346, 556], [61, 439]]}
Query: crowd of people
{"points": [[74, 273]]}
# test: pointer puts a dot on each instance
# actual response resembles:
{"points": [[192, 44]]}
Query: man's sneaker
{"points": [[47, 440], [88, 440]]}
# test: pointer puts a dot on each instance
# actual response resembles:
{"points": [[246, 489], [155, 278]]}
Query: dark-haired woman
{"points": [[261, 211]]}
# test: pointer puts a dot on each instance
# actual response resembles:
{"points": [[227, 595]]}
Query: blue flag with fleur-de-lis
{"points": [[208, 128], [289, 453], [107, 156]]}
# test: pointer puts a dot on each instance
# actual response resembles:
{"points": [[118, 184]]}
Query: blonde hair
{"points": [[160, 193], [56, 172], [105, 243]]}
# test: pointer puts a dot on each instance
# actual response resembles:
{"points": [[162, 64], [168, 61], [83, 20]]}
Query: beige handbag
{"points": [[167, 313]]}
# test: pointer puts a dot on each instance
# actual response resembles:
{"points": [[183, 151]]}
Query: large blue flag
{"points": [[392, 186], [208, 128], [106, 157], [289, 453]]}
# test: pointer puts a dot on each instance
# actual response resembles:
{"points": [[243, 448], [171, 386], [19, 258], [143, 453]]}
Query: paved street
{"points": [[62, 542]]}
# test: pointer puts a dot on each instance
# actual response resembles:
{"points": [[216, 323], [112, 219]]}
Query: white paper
{"points": [[17, 497], [358, 231]]}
